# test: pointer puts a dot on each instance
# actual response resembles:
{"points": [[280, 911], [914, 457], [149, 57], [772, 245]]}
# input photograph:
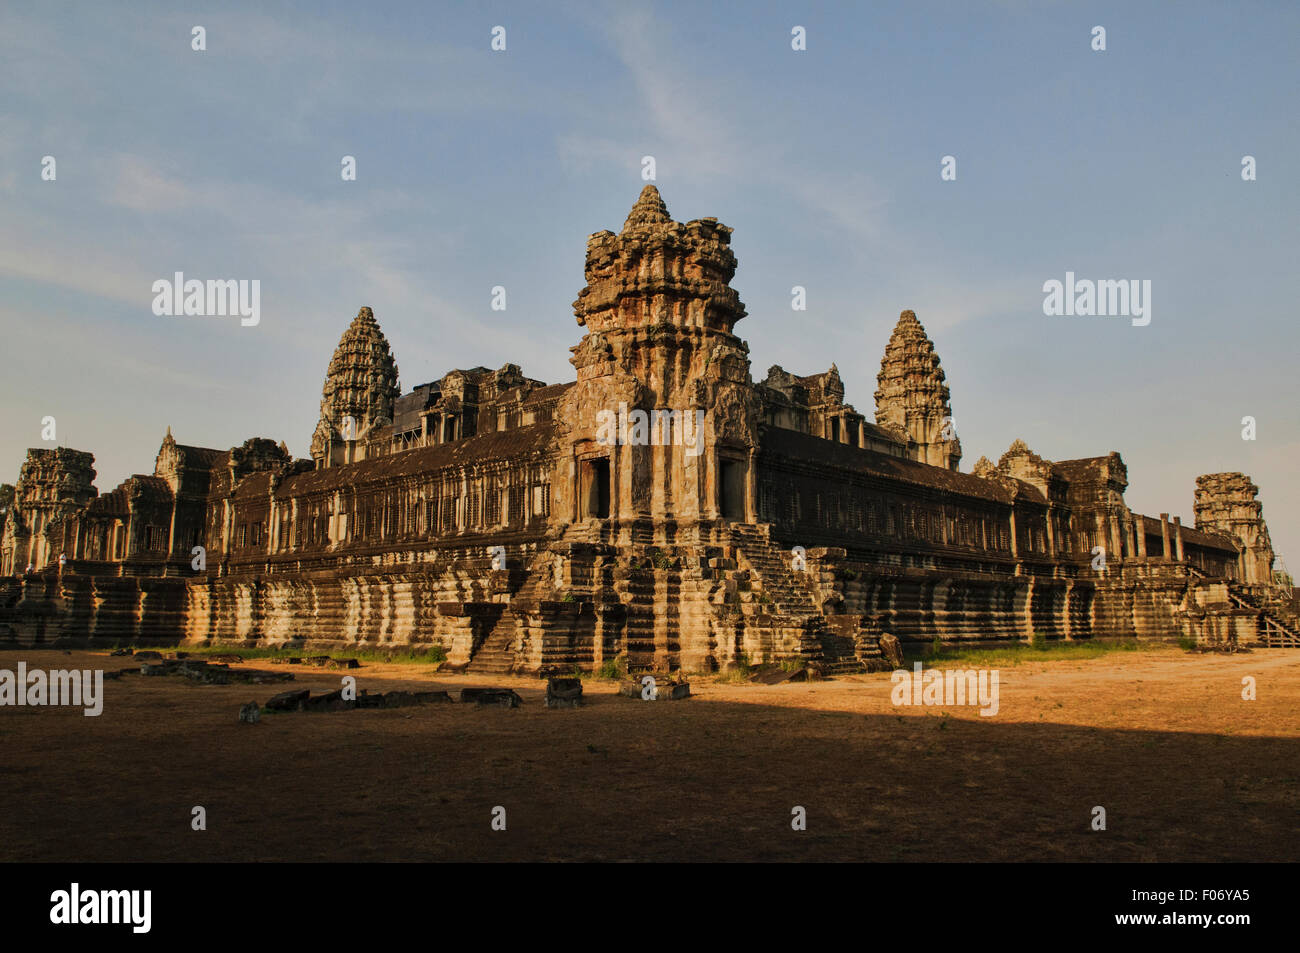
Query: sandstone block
{"points": [[891, 649], [289, 701]]}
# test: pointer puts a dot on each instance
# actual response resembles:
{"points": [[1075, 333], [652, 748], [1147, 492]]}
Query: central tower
{"points": [[662, 420]]}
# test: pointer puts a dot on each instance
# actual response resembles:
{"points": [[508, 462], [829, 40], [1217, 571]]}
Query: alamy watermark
{"points": [[74, 906], [651, 428], [1104, 298], [935, 687], [58, 687], [213, 298]]}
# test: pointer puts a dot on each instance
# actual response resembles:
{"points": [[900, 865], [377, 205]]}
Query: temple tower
{"points": [[1225, 503], [52, 484], [912, 398], [360, 387], [662, 421]]}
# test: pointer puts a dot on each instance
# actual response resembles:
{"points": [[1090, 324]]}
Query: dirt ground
{"points": [[1184, 767]]}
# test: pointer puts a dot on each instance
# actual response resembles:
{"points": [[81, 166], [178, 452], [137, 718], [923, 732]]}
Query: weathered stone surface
{"points": [[503, 697], [665, 690], [775, 675], [564, 693], [330, 701], [250, 713], [288, 701], [892, 650]]}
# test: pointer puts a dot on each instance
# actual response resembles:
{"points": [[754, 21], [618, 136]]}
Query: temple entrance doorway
{"points": [[594, 488], [731, 489]]}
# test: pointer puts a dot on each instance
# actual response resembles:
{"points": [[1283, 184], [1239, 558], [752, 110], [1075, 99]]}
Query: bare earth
{"points": [[1185, 769]]}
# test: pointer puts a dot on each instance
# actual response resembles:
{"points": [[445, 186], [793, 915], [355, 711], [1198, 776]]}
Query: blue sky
{"points": [[478, 168]]}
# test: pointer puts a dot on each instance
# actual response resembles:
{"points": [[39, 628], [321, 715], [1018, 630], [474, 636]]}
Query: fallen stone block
{"points": [[892, 650], [122, 652], [331, 701], [775, 675], [664, 690], [262, 678], [340, 663], [288, 701], [504, 697], [149, 655], [317, 661], [400, 699], [250, 713], [154, 668], [564, 693], [228, 659], [432, 698]]}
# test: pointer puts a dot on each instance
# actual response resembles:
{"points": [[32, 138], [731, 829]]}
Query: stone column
{"points": [[1015, 547], [751, 488], [1178, 537], [1117, 546], [227, 520], [1141, 522], [1164, 535]]}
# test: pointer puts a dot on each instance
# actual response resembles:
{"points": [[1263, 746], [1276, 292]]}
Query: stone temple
{"points": [[664, 506]]}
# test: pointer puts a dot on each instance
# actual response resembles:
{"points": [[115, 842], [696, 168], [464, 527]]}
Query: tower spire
{"points": [[648, 210], [912, 396]]}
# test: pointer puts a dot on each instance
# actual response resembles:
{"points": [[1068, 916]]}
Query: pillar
{"points": [[1178, 537], [1164, 535]]}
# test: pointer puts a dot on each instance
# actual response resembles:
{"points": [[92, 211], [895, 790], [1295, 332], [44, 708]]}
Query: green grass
{"points": [[740, 672], [612, 669], [433, 655], [1037, 650]]}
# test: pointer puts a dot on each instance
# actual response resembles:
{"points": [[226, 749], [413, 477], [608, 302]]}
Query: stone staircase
{"points": [[770, 574], [498, 654], [1278, 628], [769, 585]]}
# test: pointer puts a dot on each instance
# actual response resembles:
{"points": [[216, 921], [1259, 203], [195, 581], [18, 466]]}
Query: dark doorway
{"points": [[595, 488], [731, 484]]}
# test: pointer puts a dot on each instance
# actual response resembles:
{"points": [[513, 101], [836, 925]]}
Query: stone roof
{"points": [[203, 458], [477, 449], [549, 392], [805, 447], [1151, 526]]}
